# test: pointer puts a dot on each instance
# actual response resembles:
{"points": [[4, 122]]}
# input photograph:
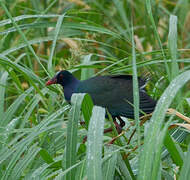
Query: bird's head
{"points": [[62, 77]]}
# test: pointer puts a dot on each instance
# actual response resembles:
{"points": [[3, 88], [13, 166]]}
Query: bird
{"points": [[113, 92]]}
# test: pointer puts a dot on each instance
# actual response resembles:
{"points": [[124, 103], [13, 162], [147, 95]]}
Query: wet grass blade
{"points": [[109, 165], [185, 171], [23, 163], [94, 144], [71, 142], [147, 157], [123, 168], [172, 45], [135, 89], [2, 93], [9, 114]]}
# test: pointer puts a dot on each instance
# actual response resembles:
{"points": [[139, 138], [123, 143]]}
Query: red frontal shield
{"points": [[51, 81]]}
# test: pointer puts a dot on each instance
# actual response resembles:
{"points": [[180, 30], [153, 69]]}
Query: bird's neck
{"points": [[70, 88]]}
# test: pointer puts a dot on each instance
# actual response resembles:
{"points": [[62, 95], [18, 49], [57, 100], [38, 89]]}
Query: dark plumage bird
{"points": [[114, 92]]}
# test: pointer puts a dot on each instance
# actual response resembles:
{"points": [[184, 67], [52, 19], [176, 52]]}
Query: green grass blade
{"points": [[25, 17], [120, 143], [65, 172], [149, 10], [156, 171], [3, 80], [9, 114], [16, 156], [57, 30], [109, 164], [92, 28], [135, 89], [44, 126], [123, 168], [122, 12], [28, 74], [46, 156], [94, 144], [171, 147], [87, 106], [71, 142], [32, 105], [24, 162], [172, 44], [22, 35], [81, 171], [185, 171], [86, 72], [4, 61], [147, 157]]}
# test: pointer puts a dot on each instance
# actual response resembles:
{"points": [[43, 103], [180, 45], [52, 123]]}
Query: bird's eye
{"points": [[61, 75]]}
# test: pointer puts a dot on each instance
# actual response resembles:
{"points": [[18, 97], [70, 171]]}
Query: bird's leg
{"points": [[122, 123], [82, 123], [118, 127], [84, 139], [119, 130], [108, 130]]}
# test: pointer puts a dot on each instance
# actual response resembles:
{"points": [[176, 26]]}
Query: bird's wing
{"points": [[116, 94], [141, 81]]}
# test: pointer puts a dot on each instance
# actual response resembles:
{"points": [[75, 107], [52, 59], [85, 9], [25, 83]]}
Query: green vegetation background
{"points": [[39, 133]]}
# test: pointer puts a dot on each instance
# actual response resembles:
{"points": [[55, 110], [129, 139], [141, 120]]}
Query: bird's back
{"points": [[116, 94]]}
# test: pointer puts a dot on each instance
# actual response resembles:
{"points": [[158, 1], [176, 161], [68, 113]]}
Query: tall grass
{"points": [[40, 135]]}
